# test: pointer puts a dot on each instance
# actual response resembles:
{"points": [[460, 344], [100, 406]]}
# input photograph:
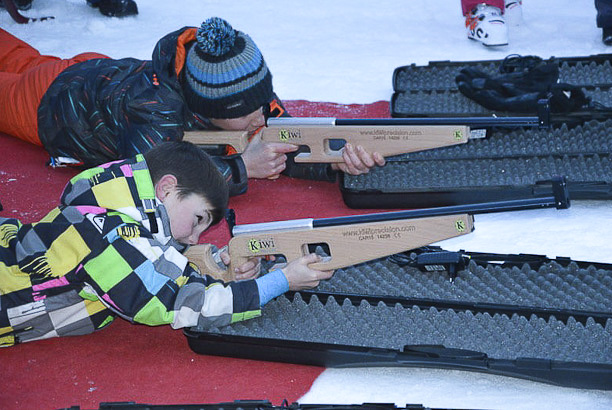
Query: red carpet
{"points": [[144, 364]]}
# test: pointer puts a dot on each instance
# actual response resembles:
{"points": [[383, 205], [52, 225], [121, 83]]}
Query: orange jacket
{"points": [[25, 75]]}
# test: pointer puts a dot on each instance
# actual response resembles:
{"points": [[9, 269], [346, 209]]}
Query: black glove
{"points": [[495, 93], [522, 82]]}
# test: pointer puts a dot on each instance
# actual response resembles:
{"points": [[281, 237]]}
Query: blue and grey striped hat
{"points": [[225, 73]]}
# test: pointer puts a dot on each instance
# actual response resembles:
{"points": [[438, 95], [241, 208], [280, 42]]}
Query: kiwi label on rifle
{"points": [[259, 245], [285, 135]]}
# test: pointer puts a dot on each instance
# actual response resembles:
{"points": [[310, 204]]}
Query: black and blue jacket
{"points": [[102, 110]]}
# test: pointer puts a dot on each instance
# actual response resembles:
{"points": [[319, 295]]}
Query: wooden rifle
{"points": [[349, 240], [325, 137]]}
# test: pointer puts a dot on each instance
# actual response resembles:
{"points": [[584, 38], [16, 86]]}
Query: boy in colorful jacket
{"points": [[114, 248], [91, 109]]}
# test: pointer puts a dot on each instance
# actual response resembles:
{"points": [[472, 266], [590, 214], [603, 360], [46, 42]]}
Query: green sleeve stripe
{"points": [[250, 314]]}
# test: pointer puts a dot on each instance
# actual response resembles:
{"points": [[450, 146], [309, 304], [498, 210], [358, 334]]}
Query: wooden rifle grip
{"points": [[201, 255]]}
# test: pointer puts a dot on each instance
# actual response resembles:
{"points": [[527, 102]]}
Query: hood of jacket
{"points": [[122, 188], [168, 61], [169, 54]]}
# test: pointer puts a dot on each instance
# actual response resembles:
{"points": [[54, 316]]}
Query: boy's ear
{"points": [[165, 186]]}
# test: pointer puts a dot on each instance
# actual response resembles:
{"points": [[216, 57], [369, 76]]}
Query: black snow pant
{"points": [[604, 13]]}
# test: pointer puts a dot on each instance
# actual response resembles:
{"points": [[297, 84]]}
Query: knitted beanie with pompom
{"points": [[225, 75]]}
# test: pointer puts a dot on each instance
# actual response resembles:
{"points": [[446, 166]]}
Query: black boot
{"points": [[115, 8], [606, 35], [20, 4]]}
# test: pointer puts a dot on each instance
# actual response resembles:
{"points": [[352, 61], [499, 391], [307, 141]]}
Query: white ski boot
{"points": [[486, 24], [514, 12]]}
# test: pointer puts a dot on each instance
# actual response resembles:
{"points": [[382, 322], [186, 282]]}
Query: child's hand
{"points": [[266, 159], [300, 276], [357, 160], [248, 270]]}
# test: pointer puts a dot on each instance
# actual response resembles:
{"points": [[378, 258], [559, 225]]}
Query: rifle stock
{"points": [[318, 135], [237, 139], [347, 244]]}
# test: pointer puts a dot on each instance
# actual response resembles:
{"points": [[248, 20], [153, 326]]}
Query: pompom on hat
{"points": [[225, 73]]}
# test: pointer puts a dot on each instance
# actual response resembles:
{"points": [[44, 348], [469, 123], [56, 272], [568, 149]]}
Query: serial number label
{"points": [[373, 234], [390, 135]]}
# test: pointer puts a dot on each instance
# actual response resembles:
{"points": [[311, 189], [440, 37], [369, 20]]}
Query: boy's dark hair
{"points": [[195, 172]]}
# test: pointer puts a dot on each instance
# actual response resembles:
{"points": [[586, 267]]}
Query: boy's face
{"points": [[250, 122], [189, 216]]}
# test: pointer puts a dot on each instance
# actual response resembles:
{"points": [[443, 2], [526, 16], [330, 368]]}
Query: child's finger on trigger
{"points": [[282, 147]]}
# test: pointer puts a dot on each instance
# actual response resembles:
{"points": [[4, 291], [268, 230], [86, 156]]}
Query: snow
{"points": [[345, 51]]}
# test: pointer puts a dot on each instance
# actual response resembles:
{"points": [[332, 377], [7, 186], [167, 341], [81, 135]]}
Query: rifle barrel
{"points": [[474, 122], [272, 226], [480, 208], [559, 199]]}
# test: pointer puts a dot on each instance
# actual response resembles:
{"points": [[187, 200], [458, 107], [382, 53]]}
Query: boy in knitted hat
{"points": [[114, 247], [91, 109]]}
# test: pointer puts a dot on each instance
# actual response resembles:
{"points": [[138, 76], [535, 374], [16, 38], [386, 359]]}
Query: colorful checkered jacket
{"points": [[106, 251]]}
